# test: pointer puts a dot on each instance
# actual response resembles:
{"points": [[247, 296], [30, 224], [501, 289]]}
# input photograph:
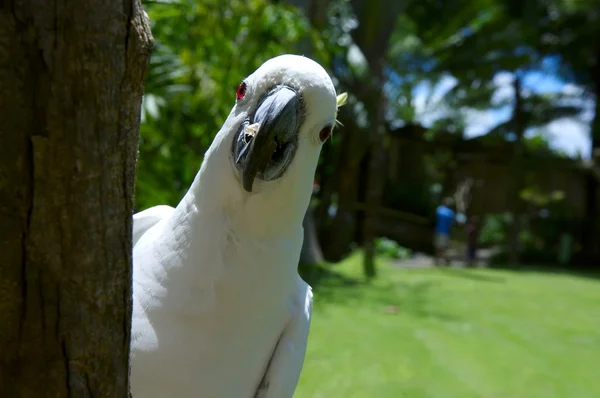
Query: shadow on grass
{"points": [[324, 274], [471, 274], [332, 287], [578, 272], [582, 267], [416, 299]]}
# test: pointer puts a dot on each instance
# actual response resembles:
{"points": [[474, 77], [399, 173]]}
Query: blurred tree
{"points": [[569, 30], [363, 74], [337, 174], [316, 11], [483, 40], [517, 180], [72, 82], [376, 25]]}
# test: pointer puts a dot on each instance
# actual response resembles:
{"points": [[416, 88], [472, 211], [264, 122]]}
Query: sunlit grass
{"points": [[456, 333]]}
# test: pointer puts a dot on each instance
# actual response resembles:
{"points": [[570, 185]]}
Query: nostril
{"points": [[250, 132]]}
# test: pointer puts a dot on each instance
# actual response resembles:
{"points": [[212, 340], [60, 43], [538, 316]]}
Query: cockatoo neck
{"points": [[273, 209]]}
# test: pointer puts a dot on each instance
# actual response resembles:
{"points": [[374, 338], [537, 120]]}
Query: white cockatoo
{"points": [[219, 310]]}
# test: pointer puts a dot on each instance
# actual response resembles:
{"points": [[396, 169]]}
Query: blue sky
{"points": [[568, 135]]}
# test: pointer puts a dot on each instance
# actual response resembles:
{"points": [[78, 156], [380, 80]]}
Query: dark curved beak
{"points": [[276, 117]]}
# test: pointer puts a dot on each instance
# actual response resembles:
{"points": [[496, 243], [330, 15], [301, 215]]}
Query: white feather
{"points": [[219, 308], [144, 220]]}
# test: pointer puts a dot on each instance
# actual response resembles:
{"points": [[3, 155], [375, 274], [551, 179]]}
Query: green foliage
{"points": [[480, 39], [388, 248], [538, 143], [538, 198], [538, 111], [202, 52], [494, 229], [566, 28]]}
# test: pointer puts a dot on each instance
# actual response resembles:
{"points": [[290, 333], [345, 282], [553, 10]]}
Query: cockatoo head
{"points": [[263, 160], [286, 111]]}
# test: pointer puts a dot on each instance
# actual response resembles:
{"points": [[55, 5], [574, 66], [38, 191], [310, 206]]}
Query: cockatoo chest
{"points": [[215, 335]]}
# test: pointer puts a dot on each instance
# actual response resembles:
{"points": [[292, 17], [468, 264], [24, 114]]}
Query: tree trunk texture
{"points": [[517, 176], [71, 84]]}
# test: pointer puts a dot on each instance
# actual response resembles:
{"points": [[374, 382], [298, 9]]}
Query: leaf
{"points": [[341, 99]]}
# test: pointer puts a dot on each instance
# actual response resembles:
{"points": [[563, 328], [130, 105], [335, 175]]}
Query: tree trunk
{"points": [[375, 171], [315, 11], [592, 231], [311, 250], [362, 179], [325, 194], [517, 177], [376, 24], [341, 230], [71, 79]]}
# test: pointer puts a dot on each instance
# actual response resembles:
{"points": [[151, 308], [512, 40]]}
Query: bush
{"points": [[389, 248]]}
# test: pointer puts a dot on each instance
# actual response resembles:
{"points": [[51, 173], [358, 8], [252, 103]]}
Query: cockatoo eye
{"points": [[325, 133], [241, 91]]}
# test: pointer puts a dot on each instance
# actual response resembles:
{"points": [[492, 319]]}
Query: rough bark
{"points": [[71, 83]]}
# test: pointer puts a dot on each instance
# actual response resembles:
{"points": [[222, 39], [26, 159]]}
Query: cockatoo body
{"points": [[219, 310]]}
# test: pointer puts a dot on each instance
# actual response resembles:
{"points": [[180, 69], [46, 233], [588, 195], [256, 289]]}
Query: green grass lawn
{"points": [[456, 333]]}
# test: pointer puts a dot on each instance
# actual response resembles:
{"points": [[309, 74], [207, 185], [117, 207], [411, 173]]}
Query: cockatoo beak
{"points": [[273, 128]]}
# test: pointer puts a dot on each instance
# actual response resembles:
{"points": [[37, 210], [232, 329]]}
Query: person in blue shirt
{"points": [[444, 219]]}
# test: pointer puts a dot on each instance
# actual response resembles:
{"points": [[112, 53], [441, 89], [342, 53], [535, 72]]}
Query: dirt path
{"points": [[457, 259]]}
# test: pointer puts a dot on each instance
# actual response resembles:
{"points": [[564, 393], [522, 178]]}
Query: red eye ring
{"points": [[241, 91], [325, 133]]}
